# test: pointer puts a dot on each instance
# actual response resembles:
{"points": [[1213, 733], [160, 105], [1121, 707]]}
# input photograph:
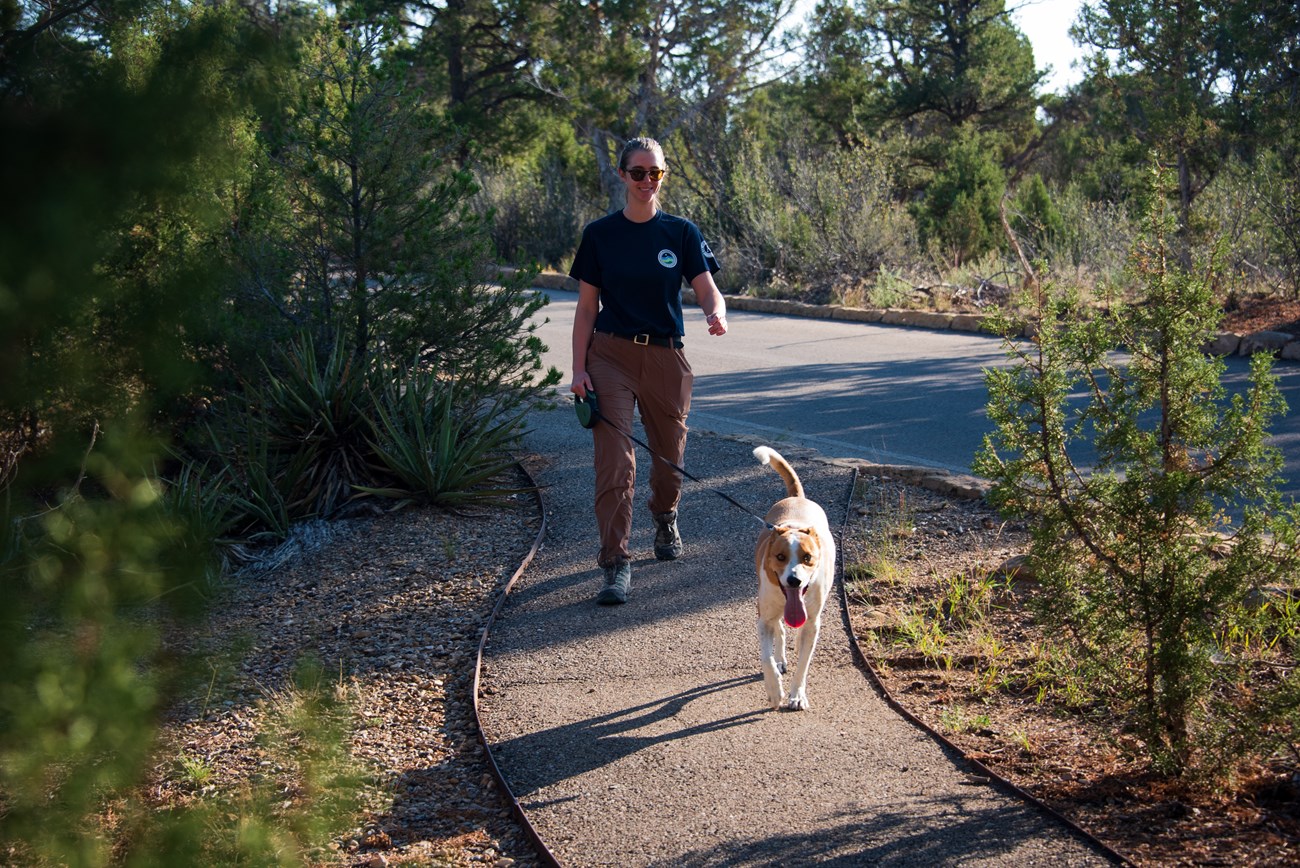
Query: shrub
{"points": [[537, 212], [86, 597], [1131, 551], [959, 217], [822, 220], [1254, 205], [1091, 247], [1036, 218], [305, 443]]}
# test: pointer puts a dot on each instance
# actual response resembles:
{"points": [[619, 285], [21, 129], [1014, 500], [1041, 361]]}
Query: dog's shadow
{"points": [[545, 757]]}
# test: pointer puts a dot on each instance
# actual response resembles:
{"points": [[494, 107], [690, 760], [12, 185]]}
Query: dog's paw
{"points": [[797, 701], [773, 691], [780, 667]]}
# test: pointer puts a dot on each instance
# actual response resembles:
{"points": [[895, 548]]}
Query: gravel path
{"points": [[638, 734]]}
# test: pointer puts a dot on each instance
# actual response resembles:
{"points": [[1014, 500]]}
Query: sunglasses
{"points": [[639, 174]]}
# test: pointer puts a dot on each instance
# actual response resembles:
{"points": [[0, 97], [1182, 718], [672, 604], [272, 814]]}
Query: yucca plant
{"points": [[258, 510], [202, 508], [430, 446], [313, 418], [293, 446]]}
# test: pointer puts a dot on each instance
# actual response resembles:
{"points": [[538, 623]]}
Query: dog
{"points": [[795, 561]]}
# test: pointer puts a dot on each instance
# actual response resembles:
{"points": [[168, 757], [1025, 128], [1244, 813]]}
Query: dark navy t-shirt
{"points": [[639, 268]]}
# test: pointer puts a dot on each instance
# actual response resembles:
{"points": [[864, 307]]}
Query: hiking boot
{"points": [[668, 542], [618, 581]]}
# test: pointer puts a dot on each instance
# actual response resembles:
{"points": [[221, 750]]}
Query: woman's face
{"points": [[646, 164]]}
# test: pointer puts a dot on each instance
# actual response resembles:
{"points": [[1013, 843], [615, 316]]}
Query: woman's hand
{"points": [[581, 385], [709, 297]]}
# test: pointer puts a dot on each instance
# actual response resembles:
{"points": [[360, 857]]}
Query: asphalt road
{"points": [[888, 394]]}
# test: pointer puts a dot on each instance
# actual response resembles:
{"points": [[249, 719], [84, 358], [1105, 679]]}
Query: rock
{"points": [[1223, 344], [857, 314], [1017, 569], [967, 322], [917, 319], [1264, 342], [1257, 598]]}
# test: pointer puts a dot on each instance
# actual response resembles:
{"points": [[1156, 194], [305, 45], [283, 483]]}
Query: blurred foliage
{"points": [[107, 291], [161, 157], [119, 120]]}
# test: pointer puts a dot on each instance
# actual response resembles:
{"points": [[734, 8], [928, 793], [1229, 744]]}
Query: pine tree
{"points": [[1146, 555]]}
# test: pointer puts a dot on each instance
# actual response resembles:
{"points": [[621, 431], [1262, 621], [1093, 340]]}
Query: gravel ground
{"points": [[392, 609], [638, 735]]}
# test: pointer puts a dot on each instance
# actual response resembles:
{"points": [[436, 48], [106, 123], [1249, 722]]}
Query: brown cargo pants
{"points": [[659, 381]]}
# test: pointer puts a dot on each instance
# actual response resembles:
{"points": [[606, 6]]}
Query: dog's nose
{"points": [[792, 580]]}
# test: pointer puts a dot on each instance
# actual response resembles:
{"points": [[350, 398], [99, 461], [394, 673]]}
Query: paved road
{"points": [[885, 393]]}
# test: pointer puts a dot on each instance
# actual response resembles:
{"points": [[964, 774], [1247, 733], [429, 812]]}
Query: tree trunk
{"points": [[360, 299], [608, 169], [1185, 196]]}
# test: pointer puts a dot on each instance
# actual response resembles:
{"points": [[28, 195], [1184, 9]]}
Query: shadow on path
{"points": [[972, 833], [618, 734]]}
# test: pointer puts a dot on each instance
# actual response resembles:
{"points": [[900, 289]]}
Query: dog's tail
{"points": [[766, 455]]}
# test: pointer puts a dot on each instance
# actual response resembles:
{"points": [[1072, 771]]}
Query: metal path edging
{"points": [[516, 809], [994, 777]]}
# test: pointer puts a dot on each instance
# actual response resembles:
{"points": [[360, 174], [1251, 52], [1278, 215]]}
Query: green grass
{"points": [[957, 720]]}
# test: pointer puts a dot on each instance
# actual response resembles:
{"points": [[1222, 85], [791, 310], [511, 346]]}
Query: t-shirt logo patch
{"points": [[704, 248], [667, 258]]}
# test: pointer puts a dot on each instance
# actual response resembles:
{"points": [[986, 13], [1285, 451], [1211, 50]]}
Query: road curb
{"points": [[1281, 345]]}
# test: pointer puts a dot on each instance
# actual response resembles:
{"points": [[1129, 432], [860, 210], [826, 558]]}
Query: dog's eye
{"points": [[807, 558], [781, 557]]}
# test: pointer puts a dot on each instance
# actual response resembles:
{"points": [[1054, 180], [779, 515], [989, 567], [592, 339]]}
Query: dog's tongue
{"points": [[795, 613]]}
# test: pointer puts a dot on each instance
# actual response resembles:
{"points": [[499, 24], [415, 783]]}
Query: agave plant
{"points": [[256, 497], [431, 447], [204, 511], [313, 419]]}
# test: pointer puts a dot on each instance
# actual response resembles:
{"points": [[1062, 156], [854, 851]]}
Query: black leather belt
{"points": [[647, 340]]}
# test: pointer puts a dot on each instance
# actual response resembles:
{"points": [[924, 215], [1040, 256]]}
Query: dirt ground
{"points": [[391, 608], [1274, 313]]}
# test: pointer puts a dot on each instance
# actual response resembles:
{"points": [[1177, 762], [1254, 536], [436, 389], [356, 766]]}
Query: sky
{"points": [[1046, 23]]}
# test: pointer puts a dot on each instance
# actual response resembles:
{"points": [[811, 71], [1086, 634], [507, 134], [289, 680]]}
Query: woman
{"points": [[627, 348]]}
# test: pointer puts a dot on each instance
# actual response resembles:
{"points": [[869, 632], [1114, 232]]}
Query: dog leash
{"points": [[589, 412]]}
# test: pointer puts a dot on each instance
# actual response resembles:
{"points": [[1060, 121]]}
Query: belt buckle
{"points": [[641, 340]]}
